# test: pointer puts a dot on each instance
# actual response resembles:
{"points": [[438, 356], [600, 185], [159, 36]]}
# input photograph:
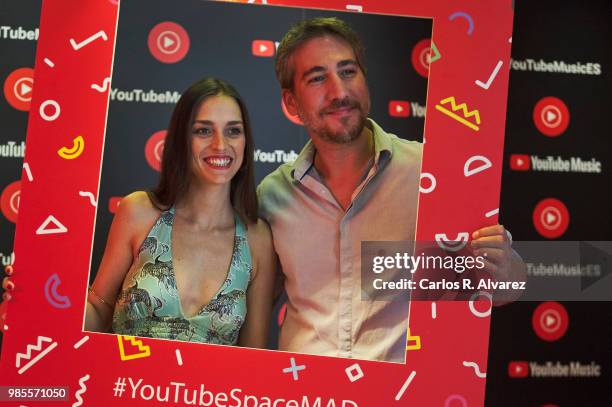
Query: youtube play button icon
{"points": [[168, 42], [518, 369], [550, 321], [550, 218], [263, 48], [551, 116], [519, 162], [399, 108], [18, 88]]}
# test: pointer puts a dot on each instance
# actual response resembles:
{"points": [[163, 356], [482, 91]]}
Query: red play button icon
{"points": [[168, 42], [262, 48], [519, 162], [518, 369], [551, 116], [551, 218], [9, 201], [18, 88], [154, 148], [399, 108], [550, 321]]}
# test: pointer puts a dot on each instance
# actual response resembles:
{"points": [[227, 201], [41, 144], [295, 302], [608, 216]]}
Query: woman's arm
{"points": [[260, 294], [134, 217]]}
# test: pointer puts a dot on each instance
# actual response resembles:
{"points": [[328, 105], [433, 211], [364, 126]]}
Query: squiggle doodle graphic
{"points": [[99, 34], [82, 389], [28, 353], [476, 369], [105, 84], [89, 195], [463, 108], [28, 172]]}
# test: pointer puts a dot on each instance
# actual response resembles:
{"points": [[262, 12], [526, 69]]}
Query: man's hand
{"points": [[494, 243]]}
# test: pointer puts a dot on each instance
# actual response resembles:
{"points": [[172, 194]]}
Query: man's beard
{"points": [[350, 132]]}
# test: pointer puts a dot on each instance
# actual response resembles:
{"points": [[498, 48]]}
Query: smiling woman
{"points": [[186, 260]]}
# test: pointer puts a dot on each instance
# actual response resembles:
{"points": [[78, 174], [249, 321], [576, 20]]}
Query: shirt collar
{"points": [[382, 151]]}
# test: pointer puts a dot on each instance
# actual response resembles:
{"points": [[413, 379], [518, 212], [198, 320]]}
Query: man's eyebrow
{"points": [[346, 62], [314, 69]]}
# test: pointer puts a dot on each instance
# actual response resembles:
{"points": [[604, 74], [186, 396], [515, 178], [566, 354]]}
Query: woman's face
{"points": [[217, 140]]}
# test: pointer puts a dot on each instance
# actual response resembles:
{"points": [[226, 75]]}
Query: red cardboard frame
{"points": [[44, 345]]}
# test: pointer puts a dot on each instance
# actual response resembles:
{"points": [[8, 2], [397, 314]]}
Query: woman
{"points": [[186, 260]]}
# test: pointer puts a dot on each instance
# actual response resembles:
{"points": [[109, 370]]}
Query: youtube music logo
{"points": [[154, 148], [518, 369], [551, 116], [18, 88], [9, 201], [263, 48], [551, 218], [550, 321], [421, 57], [519, 162], [399, 108], [168, 42]]}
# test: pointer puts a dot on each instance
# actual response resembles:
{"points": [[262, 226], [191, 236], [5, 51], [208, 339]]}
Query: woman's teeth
{"points": [[218, 162]]}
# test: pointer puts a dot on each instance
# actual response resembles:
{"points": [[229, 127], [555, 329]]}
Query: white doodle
{"points": [[28, 172], [486, 163], [49, 62], [354, 372], [476, 369], [78, 46], [434, 310], [492, 213], [59, 227], [473, 309], [28, 353], [401, 391], [82, 389], [453, 245], [486, 85], [432, 179], [354, 7], [105, 85], [81, 342], [179, 357], [92, 198], [56, 110]]}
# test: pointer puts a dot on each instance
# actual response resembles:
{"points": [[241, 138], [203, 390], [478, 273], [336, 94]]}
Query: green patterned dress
{"points": [[149, 305]]}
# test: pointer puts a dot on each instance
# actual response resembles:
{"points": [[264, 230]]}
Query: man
{"points": [[352, 182]]}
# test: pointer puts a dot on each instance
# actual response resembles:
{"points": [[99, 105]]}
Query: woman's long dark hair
{"points": [[175, 169]]}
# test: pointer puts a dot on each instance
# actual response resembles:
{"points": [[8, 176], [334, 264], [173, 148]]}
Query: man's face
{"points": [[330, 94]]}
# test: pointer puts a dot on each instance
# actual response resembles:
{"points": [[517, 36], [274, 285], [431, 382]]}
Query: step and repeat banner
{"points": [[556, 178]]}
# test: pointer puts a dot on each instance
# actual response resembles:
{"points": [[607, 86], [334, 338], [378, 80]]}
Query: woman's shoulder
{"points": [[137, 209]]}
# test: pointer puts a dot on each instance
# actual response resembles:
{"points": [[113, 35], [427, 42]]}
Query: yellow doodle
{"points": [[144, 350], [415, 339], [78, 145], [463, 107]]}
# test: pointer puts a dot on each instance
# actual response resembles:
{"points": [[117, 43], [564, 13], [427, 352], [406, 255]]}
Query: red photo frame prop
{"points": [[44, 344]]}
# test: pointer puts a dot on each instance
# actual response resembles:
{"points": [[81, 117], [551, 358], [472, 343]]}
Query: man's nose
{"points": [[336, 88]]}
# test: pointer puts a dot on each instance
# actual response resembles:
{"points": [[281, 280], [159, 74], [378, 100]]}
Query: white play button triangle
{"points": [[399, 108], [519, 161], [550, 218], [550, 320], [25, 89], [168, 42], [550, 116], [262, 48]]}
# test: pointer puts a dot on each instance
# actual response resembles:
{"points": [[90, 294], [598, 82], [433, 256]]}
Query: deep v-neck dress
{"points": [[149, 304]]}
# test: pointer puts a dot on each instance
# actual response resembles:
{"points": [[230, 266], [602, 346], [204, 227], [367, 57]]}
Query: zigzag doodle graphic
{"points": [[144, 350], [28, 353], [463, 108], [82, 389]]}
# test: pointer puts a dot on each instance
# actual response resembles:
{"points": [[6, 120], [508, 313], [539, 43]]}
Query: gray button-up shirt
{"points": [[319, 247]]}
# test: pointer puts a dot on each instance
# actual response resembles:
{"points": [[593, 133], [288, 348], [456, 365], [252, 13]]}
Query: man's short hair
{"points": [[306, 30]]}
